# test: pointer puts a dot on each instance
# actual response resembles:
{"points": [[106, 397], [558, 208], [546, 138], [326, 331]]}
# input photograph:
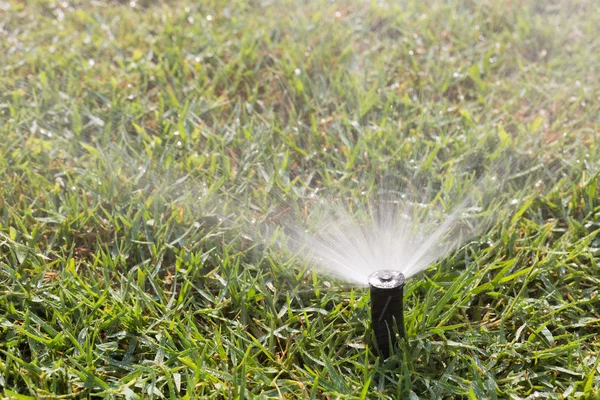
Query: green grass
{"points": [[119, 284]]}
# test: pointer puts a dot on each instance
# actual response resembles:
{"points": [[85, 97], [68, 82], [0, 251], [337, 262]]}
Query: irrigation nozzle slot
{"points": [[387, 309]]}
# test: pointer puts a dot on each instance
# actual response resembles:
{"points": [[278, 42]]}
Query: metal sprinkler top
{"points": [[387, 310], [386, 279]]}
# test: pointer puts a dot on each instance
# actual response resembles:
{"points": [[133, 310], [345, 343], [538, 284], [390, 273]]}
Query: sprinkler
{"points": [[387, 314]]}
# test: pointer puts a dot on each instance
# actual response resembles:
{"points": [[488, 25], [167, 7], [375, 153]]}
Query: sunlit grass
{"points": [[119, 282]]}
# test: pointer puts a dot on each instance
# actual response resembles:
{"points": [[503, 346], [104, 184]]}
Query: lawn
{"points": [[138, 138]]}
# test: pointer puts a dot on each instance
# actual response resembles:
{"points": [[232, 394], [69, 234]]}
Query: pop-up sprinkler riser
{"points": [[387, 309]]}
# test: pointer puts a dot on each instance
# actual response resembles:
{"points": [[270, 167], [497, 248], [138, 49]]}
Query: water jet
{"points": [[387, 309]]}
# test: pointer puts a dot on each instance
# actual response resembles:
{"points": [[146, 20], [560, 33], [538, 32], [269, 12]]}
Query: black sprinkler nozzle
{"points": [[387, 309]]}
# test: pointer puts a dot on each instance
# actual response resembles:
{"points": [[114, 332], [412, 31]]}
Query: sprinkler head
{"points": [[387, 309]]}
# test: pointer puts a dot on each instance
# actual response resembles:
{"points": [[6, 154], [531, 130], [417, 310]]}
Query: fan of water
{"points": [[351, 250], [402, 229]]}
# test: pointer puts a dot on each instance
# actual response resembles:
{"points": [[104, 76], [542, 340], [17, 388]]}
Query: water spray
{"points": [[387, 309]]}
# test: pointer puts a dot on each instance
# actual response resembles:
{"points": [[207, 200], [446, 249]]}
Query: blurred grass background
{"points": [[117, 281]]}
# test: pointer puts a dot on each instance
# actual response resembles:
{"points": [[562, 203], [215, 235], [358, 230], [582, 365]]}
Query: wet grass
{"points": [[117, 278]]}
